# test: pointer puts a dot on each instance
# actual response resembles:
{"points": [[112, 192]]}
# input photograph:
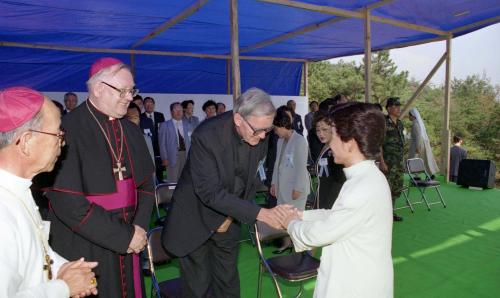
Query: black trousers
{"points": [[211, 270]]}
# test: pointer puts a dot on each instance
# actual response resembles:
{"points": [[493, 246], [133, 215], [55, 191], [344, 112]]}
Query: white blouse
{"points": [[356, 236]]}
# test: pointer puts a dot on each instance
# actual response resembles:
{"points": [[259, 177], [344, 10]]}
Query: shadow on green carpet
{"points": [[445, 252]]}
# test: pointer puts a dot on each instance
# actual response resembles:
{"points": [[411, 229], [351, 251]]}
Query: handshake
{"points": [[280, 216]]}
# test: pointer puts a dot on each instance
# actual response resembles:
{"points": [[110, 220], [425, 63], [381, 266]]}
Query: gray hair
{"points": [[6, 138], [254, 102], [109, 71]]}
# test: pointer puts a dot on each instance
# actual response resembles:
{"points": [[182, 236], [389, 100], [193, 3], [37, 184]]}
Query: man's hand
{"points": [[273, 217], [139, 240], [286, 213], [272, 190], [164, 162], [79, 277], [295, 195]]}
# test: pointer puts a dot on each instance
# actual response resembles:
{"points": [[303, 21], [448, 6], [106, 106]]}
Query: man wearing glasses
{"points": [[212, 197], [103, 194], [30, 143]]}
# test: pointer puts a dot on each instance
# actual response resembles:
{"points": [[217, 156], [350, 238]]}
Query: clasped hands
{"points": [[139, 240], [79, 278], [280, 216]]}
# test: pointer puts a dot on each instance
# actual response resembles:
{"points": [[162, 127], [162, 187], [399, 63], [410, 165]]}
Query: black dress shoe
{"points": [[397, 218], [282, 250]]}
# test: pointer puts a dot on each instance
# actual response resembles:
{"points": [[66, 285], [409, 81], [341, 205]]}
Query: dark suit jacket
{"points": [[297, 124], [204, 194], [146, 123]]}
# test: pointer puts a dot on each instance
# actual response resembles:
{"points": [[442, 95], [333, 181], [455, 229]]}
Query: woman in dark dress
{"points": [[330, 175]]}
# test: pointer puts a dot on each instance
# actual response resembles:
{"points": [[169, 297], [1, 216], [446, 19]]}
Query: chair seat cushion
{"points": [[295, 266], [171, 288], [426, 183]]}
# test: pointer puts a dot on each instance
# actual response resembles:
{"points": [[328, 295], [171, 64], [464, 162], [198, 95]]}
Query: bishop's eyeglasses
{"points": [[123, 92]]}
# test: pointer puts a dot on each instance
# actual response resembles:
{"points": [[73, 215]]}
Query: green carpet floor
{"points": [[447, 252]]}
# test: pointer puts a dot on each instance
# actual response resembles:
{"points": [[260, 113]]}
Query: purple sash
{"points": [[125, 196]]}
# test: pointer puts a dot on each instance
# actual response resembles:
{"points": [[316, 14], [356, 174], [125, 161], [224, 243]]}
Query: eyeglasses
{"points": [[257, 132], [59, 135], [123, 92]]}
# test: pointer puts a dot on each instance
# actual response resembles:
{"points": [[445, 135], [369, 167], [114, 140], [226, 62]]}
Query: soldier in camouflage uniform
{"points": [[392, 162]]}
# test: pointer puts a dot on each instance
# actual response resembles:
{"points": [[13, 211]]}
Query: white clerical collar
{"points": [[358, 168], [14, 183]]}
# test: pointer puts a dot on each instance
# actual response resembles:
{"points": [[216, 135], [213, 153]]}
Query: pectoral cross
{"points": [[47, 266], [119, 169]]}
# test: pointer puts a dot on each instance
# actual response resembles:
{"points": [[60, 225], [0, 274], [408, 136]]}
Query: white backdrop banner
{"points": [[164, 100]]}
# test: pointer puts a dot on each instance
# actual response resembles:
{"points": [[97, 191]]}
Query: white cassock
{"points": [[356, 236], [22, 255]]}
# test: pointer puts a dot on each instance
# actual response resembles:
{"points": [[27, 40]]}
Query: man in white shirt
{"points": [[30, 143], [174, 139]]}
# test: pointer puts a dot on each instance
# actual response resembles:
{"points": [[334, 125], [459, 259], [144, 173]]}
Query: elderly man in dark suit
{"points": [[213, 195]]}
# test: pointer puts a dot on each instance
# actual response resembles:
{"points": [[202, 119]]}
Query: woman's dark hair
{"points": [[364, 123], [457, 139], [185, 103], [321, 116], [209, 103], [134, 106], [282, 118]]}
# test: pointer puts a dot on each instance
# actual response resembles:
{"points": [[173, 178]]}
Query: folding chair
{"points": [[420, 179], [295, 267], [157, 255], [163, 197]]}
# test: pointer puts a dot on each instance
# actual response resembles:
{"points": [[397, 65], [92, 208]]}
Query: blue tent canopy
{"points": [[49, 45]]}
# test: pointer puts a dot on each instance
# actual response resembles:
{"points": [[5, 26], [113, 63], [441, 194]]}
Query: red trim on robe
{"points": [[84, 220], [146, 192]]}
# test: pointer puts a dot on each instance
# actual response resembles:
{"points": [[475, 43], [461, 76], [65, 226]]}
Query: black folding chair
{"points": [[295, 267], [421, 180], [157, 255], [163, 197]]}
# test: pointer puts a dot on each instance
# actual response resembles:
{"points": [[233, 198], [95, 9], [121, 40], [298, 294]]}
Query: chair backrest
{"points": [[163, 195], [156, 252], [164, 192], [264, 232], [260, 187], [415, 165]]}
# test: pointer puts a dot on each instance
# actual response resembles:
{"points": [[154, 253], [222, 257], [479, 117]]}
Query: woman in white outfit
{"points": [[356, 234], [290, 182], [420, 145]]}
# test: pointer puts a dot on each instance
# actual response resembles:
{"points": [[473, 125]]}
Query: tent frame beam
{"points": [[171, 22], [308, 28], [368, 56], [355, 14], [417, 92], [445, 143], [140, 52], [235, 49], [305, 78]]}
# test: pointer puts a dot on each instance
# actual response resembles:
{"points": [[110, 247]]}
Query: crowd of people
{"points": [[110, 151]]}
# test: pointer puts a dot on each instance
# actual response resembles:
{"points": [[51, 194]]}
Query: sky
{"points": [[474, 53]]}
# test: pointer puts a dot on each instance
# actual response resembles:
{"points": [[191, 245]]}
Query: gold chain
{"points": [[119, 157]]}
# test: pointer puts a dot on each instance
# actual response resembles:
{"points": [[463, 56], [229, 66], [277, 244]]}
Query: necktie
{"points": [[182, 144]]}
